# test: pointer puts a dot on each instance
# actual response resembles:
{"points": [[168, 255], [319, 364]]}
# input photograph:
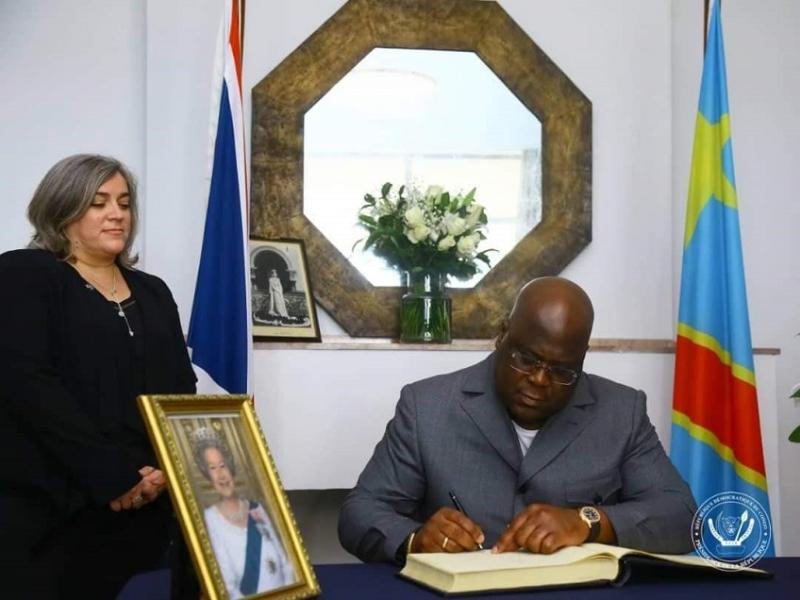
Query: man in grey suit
{"points": [[541, 454]]}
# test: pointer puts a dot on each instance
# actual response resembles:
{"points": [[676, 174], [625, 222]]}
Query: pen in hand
{"points": [[460, 509]]}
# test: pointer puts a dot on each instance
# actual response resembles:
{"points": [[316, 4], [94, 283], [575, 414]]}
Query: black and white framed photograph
{"points": [[282, 302]]}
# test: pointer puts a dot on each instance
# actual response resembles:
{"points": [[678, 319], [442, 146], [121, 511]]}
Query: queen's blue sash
{"points": [[252, 556]]}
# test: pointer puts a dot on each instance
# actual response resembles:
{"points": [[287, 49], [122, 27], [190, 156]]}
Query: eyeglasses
{"points": [[527, 364]]}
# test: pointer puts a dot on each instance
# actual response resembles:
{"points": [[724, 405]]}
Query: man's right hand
{"points": [[448, 530]]}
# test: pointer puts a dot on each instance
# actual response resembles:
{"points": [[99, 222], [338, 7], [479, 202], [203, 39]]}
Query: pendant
{"points": [[121, 313]]}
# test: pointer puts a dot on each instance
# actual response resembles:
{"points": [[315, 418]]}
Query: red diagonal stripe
{"points": [[235, 40], [707, 392]]}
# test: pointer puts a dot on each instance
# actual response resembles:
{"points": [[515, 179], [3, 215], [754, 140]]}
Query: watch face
{"points": [[590, 514]]}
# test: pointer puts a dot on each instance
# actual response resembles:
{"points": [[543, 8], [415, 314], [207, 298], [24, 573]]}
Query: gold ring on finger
{"points": [[444, 543]]}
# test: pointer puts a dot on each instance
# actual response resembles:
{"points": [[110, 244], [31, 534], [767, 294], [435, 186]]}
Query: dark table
{"points": [[651, 583], [380, 582]]}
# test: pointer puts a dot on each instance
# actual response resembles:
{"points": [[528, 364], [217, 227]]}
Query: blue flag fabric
{"points": [[220, 329], [716, 432]]}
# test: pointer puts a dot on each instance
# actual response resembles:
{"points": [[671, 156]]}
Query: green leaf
{"points": [[387, 232], [795, 392], [370, 240], [795, 435]]}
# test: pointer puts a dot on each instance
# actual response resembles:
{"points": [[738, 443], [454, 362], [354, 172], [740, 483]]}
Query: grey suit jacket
{"points": [[452, 432]]}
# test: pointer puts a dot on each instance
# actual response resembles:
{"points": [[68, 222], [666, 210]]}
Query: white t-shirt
{"points": [[525, 437], [230, 543]]}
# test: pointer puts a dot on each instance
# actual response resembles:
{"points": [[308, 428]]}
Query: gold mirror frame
{"points": [[280, 102]]}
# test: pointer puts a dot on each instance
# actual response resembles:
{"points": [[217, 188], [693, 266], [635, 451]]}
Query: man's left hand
{"points": [[543, 529]]}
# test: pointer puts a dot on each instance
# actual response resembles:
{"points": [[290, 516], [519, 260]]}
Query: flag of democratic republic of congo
{"points": [[716, 433]]}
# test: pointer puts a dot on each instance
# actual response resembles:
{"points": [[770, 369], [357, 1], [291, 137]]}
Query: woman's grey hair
{"points": [[203, 439], [65, 194]]}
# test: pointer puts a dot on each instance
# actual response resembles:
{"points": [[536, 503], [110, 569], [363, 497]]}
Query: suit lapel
{"points": [[558, 432], [481, 403]]}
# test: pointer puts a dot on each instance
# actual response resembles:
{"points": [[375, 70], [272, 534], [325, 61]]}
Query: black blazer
{"points": [[61, 408]]}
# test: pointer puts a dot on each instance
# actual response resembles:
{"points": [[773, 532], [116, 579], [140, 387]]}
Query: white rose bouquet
{"points": [[431, 232]]}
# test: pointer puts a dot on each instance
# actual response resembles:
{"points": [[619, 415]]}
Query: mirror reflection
{"points": [[420, 118]]}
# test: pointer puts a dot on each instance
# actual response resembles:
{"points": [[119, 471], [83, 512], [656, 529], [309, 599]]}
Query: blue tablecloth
{"points": [[380, 582]]}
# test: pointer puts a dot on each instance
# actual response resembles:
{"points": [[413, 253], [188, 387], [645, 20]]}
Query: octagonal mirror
{"points": [[307, 182], [420, 118]]}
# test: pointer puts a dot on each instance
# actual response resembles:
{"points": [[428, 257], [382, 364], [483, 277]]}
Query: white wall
{"points": [[132, 79], [72, 82], [618, 53], [180, 46]]}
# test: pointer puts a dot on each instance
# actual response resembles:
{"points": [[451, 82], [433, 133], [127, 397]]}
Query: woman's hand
{"points": [[148, 489], [155, 476]]}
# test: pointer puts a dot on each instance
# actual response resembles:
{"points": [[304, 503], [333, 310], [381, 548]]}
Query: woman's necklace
{"points": [[239, 515], [112, 292]]}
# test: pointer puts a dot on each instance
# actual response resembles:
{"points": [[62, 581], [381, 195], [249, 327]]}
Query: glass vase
{"points": [[426, 309]]}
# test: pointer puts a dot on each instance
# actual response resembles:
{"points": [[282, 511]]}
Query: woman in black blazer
{"points": [[82, 334]]}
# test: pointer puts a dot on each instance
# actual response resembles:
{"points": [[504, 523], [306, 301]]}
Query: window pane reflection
{"points": [[421, 117]]}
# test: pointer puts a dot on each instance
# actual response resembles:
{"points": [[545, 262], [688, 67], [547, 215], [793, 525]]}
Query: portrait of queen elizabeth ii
{"points": [[251, 556]]}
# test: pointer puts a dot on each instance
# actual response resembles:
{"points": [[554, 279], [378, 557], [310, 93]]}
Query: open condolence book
{"points": [[577, 565]]}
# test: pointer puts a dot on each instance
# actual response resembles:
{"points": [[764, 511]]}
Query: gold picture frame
{"points": [[215, 458]]}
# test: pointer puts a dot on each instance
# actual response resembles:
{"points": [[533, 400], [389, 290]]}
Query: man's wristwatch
{"points": [[591, 516]]}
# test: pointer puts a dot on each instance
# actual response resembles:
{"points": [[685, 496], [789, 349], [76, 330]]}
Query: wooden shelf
{"points": [[621, 345]]}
